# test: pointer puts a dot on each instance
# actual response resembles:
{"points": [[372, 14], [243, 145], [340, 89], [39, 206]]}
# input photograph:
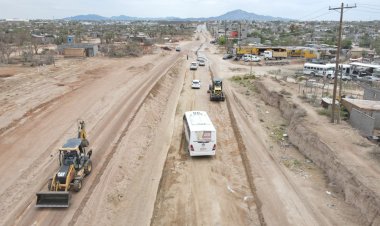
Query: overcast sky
{"points": [[293, 9]]}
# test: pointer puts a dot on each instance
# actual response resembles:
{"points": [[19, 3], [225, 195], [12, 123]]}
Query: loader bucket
{"points": [[53, 199]]}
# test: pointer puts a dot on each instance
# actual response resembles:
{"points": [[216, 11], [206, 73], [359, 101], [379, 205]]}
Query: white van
{"points": [[200, 133]]}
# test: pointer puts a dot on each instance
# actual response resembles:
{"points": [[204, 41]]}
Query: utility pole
{"points": [[225, 35], [240, 35], [337, 57]]}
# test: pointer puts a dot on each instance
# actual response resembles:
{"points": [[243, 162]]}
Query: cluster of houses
{"points": [[312, 34]]}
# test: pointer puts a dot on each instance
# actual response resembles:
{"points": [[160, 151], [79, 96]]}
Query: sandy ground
{"points": [[142, 174]]}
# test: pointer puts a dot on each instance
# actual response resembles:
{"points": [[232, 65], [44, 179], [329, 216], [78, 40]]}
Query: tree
{"points": [[109, 36], [346, 44], [293, 28], [6, 49], [376, 45], [222, 40], [21, 37], [365, 41], [35, 43]]}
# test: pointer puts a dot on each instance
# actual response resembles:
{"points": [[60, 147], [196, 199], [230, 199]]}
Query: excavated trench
{"points": [[313, 147]]}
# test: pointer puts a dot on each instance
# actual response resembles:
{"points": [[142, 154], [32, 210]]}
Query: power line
{"points": [[367, 11], [324, 14], [312, 13], [372, 5]]}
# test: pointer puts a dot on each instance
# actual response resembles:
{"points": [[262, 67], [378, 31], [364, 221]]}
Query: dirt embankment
{"points": [[311, 145]]}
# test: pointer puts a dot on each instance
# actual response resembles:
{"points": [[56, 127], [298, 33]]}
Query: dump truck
{"points": [[275, 55], [74, 165], [216, 90]]}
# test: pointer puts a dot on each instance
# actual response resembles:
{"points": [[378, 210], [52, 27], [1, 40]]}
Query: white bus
{"points": [[200, 133], [318, 70]]}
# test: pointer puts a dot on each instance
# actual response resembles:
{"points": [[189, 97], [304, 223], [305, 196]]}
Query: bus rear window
{"points": [[203, 136]]}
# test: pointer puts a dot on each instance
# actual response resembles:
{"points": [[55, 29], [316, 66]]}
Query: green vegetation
{"points": [[278, 133], [222, 40], [246, 80], [324, 111], [376, 45], [346, 44]]}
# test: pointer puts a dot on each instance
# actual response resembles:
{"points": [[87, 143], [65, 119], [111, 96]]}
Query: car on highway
{"points": [[194, 66], [196, 84]]}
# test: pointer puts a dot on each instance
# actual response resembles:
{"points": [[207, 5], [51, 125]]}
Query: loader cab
{"points": [[217, 84], [73, 152], [69, 158]]}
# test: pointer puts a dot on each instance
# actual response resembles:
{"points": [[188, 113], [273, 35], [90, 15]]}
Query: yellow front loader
{"points": [[74, 165]]}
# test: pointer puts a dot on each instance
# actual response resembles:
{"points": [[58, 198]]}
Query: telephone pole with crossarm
{"points": [[337, 57]]}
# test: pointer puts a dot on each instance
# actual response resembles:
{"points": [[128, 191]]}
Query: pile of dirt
{"points": [[352, 185]]}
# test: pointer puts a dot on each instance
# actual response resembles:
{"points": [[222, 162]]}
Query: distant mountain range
{"points": [[232, 15]]}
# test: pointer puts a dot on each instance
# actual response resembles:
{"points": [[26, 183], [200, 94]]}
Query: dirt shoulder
{"points": [[348, 159]]}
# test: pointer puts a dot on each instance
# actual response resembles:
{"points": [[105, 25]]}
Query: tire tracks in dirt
{"points": [[27, 213], [151, 86], [42, 164], [33, 112], [295, 192], [164, 180], [243, 155], [179, 169]]}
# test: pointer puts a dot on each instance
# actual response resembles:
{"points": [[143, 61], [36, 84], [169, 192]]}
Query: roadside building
{"points": [[358, 52], [364, 114], [78, 50]]}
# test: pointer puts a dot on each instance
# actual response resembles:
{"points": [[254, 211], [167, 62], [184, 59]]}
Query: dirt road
{"points": [[142, 174]]}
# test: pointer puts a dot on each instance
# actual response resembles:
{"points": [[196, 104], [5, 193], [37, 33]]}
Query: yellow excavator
{"points": [[75, 164]]}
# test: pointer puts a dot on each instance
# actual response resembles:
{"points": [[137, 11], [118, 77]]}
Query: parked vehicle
{"points": [[252, 58], [318, 69], [196, 84], [275, 55], [376, 72], [370, 78], [227, 56], [178, 48], [193, 66], [346, 78], [200, 133]]}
